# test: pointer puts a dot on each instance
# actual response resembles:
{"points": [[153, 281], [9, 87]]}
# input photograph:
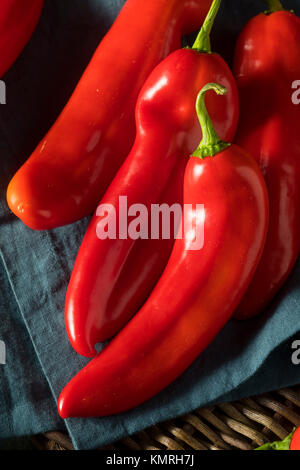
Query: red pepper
{"points": [[112, 278], [198, 290], [18, 20], [267, 62], [71, 168], [295, 443]]}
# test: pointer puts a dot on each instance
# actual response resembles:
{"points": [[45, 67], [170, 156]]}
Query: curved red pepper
{"points": [[198, 290], [112, 278], [267, 62], [18, 20], [71, 168]]}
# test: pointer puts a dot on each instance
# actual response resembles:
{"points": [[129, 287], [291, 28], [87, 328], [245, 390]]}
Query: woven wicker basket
{"points": [[242, 425]]}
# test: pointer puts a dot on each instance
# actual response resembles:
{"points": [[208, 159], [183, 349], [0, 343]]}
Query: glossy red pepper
{"points": [[199, 289], [113, 277], [18, 20], [267, 62], [71, 168]]}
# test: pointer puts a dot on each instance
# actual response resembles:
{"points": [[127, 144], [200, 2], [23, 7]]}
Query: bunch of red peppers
{"points": [[174, 128]]}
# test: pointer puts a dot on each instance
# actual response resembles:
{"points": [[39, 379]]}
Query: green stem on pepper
{"points": [[211, 144], [274, 5], [202, 43], [278, 445]]}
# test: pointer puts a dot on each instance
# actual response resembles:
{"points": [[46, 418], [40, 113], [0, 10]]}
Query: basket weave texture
{"points": [[242, 425]]}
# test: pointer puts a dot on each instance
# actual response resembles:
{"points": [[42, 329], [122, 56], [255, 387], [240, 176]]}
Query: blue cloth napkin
{"points": [[245, 359]]}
